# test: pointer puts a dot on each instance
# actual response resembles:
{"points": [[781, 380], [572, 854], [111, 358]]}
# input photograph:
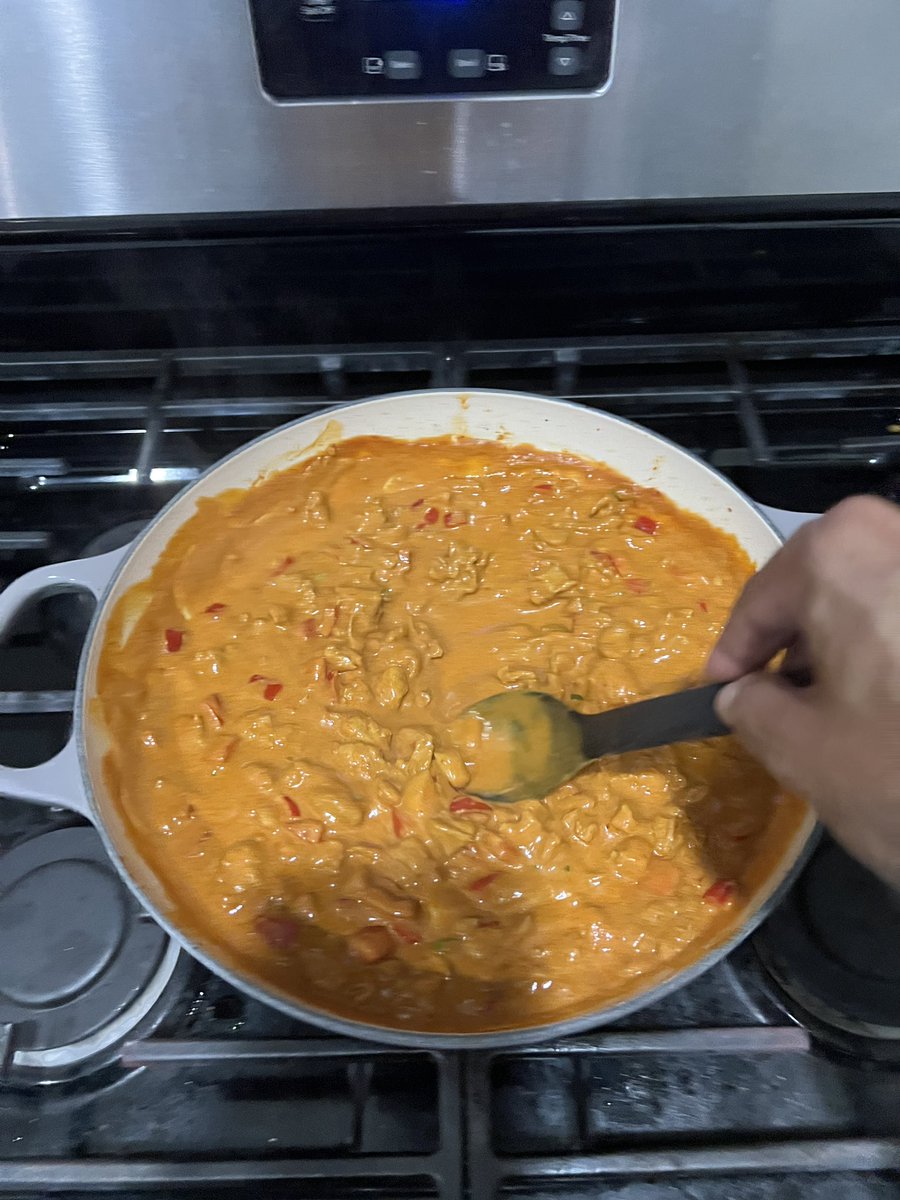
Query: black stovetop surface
{"points": [[125, 369]]}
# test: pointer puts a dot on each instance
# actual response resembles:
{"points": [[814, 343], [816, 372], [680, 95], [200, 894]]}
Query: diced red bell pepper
{"points": [[646, 525], [466, 804], [174, 640], [292, 807], [271, 690], [215, 608], [721, 892]]}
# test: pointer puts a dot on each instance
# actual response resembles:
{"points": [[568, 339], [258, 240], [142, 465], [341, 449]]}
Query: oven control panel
{"points": [[328, 49]]}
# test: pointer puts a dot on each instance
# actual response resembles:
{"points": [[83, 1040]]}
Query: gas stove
{"points": [[127, 1069]]}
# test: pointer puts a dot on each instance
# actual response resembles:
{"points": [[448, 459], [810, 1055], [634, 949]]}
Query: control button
{"points": [[373, 66], [403, 64], [565, 60], [567, 15], [497, 62], [466, 64]]}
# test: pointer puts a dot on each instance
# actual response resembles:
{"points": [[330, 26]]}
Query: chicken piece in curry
{"points": [[280, 697]]}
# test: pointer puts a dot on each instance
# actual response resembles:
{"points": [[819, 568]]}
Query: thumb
{"points": [[776, 721]]}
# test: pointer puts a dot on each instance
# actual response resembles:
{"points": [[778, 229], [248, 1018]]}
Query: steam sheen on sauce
{"points": [[281, 694]]}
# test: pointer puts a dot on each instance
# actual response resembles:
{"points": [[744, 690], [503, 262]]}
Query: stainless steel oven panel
{"points": [[119, 107]]}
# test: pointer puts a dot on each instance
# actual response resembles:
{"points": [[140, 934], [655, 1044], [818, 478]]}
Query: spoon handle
{"points": [[679, 717]]}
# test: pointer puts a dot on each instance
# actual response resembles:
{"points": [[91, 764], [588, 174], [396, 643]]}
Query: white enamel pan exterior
{"points": [[74, 778]]}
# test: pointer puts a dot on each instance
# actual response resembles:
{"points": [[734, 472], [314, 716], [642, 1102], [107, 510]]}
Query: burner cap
{"points": [[81, 965], [833, 948], [60, 924]]}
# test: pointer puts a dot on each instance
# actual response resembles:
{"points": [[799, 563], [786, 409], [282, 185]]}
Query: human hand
{"points": [[831, 599]]}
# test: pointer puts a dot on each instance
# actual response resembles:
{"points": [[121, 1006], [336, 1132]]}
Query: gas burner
{"points": [[833, 949], [83, 968]]}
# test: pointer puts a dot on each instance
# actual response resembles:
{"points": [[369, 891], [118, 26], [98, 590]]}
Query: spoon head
{"points": [[522, 746]]}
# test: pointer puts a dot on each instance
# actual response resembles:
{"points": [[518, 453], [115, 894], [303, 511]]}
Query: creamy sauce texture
{"points": [[283, 695]]}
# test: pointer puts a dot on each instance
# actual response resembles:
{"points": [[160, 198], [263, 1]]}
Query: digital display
{"points": [[386, 49]]}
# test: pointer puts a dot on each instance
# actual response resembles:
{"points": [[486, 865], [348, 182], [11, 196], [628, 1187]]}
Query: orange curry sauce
{"points": [[279, 696]]}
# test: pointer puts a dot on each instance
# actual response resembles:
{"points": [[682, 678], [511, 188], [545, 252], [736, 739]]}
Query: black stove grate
{"points": [[713, 1092], [126, 430]]}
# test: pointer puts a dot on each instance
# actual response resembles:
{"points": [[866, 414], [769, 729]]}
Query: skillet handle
{"points": [[787, 523], [58, 781]]}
